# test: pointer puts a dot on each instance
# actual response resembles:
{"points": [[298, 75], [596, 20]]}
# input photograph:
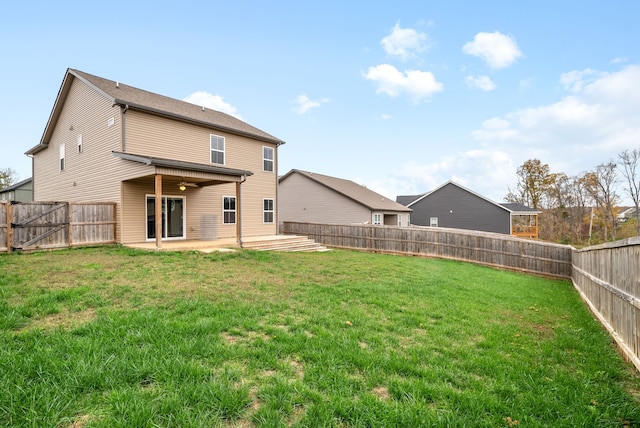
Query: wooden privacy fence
{"points": [[31, 226], [492, 249], [608, 279]]}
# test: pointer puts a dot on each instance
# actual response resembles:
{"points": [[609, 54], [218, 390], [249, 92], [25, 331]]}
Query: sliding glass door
{"points": [[173, 217]]}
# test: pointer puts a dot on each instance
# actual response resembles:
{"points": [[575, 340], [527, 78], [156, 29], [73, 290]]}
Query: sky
{"points": [[398, 96]]}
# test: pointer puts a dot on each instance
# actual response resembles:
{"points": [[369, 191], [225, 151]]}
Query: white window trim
{"points": [[273, 211], [376, 219], [433, 221], [235, 211], [223, 151], [62, 163], [184, 216], [79, 140], [273, 160]]}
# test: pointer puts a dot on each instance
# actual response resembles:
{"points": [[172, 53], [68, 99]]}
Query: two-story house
{"points": [[176, 170]]}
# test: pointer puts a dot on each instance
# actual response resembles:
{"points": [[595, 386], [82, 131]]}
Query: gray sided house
{"points": [[21, 192], [315, 198], [454, 206]]}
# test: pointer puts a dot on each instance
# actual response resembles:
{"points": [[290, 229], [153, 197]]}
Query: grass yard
{"points": [[115, 337]]}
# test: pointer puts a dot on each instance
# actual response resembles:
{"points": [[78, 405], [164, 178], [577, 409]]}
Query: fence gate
{"points": [[38, 225]]}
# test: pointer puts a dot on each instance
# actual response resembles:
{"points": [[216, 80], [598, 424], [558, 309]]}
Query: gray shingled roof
{"points": [[139, 99], [354, 191], [520, 208], [145, 100], [407, 199]]}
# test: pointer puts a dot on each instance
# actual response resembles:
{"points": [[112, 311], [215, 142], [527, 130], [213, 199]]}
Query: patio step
{"points": [[283, 243]]}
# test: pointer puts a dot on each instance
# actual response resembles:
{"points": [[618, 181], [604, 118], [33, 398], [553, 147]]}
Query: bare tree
{"points": [[8, 177], [600, 183], [630, 160]]}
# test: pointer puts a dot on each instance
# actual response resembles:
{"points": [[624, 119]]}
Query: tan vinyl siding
{"points": [[151, 135], [97, 175], [304, 200]]}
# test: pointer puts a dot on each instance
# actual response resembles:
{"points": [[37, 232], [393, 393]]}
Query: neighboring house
{"points": [[21, 192], [315, 198], [454, 206], [176, 170], [626, 213]]}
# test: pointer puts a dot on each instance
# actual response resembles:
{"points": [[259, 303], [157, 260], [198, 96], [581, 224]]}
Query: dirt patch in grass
{"points": [[65, 319], [382, 392]]}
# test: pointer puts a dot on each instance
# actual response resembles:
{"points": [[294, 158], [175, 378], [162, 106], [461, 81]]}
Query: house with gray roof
{"points": [[454, 206], [175, 170], [20, 192], [309, 197]]}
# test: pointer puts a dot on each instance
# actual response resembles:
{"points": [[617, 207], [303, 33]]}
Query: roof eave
{"points": [[187, 166]]}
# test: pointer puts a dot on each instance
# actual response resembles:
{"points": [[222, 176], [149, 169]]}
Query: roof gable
{"points": [[134, 98], [356, 192], [451, 183]]}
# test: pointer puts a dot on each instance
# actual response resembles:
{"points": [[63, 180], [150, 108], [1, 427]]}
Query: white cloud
{"points": [[481, 82], [594, 121], [418, 85], [591, 124], [303, 103], [214, 102], [496, 49], [484, 171], [404, 43]]}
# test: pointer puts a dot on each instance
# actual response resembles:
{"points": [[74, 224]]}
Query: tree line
{"points": [[582, 209]]}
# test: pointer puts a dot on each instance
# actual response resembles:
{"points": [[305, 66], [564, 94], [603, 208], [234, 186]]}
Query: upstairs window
{"points": [[217, 149], [80, 143], [229, 209], [62, 165], [267, 159], [267, 211]]}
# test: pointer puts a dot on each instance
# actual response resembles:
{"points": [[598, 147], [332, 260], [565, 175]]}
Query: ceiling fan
{"points": [[183, 185]]}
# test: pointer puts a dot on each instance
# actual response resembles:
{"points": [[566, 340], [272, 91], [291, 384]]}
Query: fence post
{"points": [[9, 227], [69, 228]]}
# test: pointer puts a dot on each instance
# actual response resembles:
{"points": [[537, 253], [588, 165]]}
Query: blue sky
{"points": [[398, 96]]}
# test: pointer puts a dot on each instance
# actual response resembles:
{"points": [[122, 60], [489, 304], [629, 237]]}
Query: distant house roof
{"points": [[138, 99], [408, 199], [17, 185], [511, 207], [519, 208], [356, 192]]}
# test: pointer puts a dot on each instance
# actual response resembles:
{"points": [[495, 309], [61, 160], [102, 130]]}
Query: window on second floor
{"points": [[229, 209], [217, 149], [267, 211], [62, 151], [267, 159]]}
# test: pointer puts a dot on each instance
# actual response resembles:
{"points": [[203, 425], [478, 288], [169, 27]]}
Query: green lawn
{"points": [[114, 337]]}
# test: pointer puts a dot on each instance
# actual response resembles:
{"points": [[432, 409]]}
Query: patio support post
{"points": [[158, 207], [239, 213]]}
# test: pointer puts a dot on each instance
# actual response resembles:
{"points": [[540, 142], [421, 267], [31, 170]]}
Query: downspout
{"points": [[239, 207], [124, 144]]}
